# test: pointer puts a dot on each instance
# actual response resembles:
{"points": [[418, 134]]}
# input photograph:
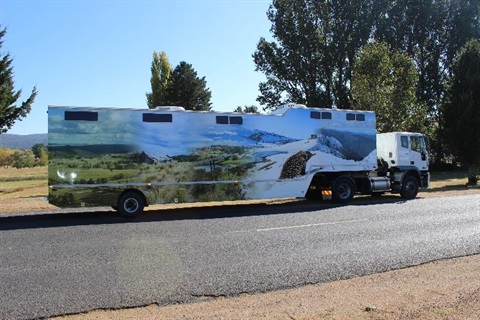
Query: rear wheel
{"points": [[409, 188], [130, 204], [343, 190]]}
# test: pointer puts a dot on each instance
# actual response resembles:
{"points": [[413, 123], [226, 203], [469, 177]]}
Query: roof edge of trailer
{"points": [[280, 111]]}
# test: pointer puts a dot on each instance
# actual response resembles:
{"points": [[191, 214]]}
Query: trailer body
{"points": [[131, 158]]}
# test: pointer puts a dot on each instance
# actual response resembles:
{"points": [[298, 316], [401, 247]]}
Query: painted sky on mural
{"points": [[98, 53]]}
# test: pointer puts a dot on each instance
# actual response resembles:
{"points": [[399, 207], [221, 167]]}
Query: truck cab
{"points": [[401, 154]]}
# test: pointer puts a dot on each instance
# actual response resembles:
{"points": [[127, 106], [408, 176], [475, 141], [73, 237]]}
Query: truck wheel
{"points": [[409, 188], [130, 204], [343, 190]]}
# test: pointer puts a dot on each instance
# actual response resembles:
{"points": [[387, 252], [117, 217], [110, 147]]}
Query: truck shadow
{"points": [[67, 218]]}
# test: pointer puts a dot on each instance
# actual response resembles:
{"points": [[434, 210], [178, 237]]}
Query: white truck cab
{"points": [[403, 149], [402, 155]]}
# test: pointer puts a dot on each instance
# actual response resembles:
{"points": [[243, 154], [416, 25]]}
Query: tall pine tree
{"points": [[9, 111], [187, 90]]}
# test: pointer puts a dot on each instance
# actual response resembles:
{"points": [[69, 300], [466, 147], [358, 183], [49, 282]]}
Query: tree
{"points": [[384, 82], [9, 111], [40, 153], [23, 159], [247, 109], [461, 110], [161, 72], [6, 157], [316, 41], [186, 89], [431, 32]]}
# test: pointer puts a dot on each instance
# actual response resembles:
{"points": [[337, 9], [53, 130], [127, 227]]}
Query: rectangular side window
{"points": [[320, 115], [351, 116], [404, 141], [315, 115], [222, 119], [236, 120], [327, 115], [157, 117], [360, 117], [81, 115]]}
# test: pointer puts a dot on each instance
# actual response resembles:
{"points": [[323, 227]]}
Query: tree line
{"points": [[36, 156], [409, 61]]}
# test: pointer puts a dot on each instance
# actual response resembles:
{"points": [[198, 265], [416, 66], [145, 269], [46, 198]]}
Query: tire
{"points": [[409, 188], [130, 204], [343, 190]]}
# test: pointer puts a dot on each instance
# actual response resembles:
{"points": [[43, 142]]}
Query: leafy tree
{"points": [[461, 110], [40, 153], [384, 82], [9, 111], [431, 32], [6, 157], [247, 109], [161, 72], [316, 41], [186, 89], [23, 159]]}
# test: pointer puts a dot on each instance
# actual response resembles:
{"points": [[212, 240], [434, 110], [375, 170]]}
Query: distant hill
{"points": [[18, 141]]}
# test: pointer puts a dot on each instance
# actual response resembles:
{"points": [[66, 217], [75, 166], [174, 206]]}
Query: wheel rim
{"points": [[344, 191], [131, 205], [410, 187]]}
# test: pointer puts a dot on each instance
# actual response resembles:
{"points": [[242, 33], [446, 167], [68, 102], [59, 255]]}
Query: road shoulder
{"points": [[436, 290]]}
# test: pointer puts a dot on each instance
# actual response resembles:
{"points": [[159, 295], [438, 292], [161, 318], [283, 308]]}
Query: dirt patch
{"points": [[447, 289]]}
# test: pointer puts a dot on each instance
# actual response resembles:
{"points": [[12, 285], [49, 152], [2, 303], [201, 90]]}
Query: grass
{"points": [[23, 183], [450, 180]]}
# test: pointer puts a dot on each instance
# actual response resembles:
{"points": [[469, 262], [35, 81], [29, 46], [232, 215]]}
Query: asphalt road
{"points": [[61, 263]]}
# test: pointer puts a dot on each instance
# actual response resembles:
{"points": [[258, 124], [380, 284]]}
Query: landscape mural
{"points": [[194, 156]]}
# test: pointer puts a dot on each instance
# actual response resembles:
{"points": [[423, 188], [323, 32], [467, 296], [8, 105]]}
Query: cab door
{"points": [[403, 150], [418, 152]]}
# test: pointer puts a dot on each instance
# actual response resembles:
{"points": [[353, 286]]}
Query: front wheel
{"points": [[343, 190], [409, 188], [130, 204]]}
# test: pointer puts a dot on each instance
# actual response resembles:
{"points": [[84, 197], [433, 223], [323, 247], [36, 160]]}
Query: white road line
{"points": [[304, 226]]}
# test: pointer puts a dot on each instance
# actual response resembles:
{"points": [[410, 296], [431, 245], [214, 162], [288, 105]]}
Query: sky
{"points": [[98, 52]]}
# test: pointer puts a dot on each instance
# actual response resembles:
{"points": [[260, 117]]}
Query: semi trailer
{"points": [[129, 158]]}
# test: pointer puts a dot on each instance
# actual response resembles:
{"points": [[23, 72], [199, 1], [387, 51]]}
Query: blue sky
{"points": [[98, 53]]}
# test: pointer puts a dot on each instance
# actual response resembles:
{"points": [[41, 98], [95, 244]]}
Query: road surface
{"points": [[61, 263]]}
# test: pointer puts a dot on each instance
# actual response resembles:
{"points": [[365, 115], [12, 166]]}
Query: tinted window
{"points": [[81, 115], [236, 120], [351, 116], [404, 140], [360, 117], [157, 117], [315, 115], [326, 115], [222, 119]]}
